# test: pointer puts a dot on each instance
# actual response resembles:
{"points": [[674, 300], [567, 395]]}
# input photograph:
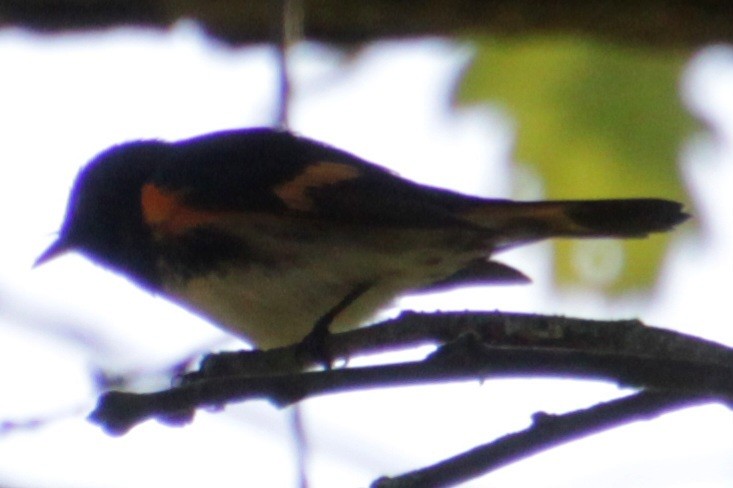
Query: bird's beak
{"points": [[59, 247]]}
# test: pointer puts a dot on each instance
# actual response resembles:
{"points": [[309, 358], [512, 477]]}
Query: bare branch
{"points": [[547, 431], [413, 329], [290, 32], [674, 370], [478, 346], [651, 23]]}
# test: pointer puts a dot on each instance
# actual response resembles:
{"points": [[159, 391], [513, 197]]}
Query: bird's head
{"points": [[103, 217]]}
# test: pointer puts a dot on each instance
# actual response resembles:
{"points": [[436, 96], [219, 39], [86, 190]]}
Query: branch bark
{"points": [[475, 346], [671, 370], [649, 23], [546, 432]]}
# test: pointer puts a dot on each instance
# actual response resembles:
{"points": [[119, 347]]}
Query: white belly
{"points": [[278, 303]]}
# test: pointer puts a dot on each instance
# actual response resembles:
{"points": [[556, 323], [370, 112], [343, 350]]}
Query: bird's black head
{"points": [[104, 218]]}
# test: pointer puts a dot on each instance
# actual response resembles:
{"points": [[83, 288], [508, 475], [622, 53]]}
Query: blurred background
{"points": [[535, 116]]}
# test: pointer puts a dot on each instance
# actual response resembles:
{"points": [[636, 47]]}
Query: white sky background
{"points": [[63, 99]]}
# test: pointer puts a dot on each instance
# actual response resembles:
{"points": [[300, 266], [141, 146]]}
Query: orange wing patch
{"points": [[166, 212], [294, 193]]}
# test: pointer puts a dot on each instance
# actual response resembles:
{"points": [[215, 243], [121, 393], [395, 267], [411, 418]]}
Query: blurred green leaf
{"points": [[595, 121]]}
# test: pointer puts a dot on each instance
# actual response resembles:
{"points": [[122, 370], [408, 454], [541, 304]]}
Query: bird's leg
{"points": [[314, 343]]}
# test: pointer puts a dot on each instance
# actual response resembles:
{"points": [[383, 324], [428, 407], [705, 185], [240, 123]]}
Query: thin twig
{"points": [[300, 441], [290, 31], [290, 27], [546, 432]]}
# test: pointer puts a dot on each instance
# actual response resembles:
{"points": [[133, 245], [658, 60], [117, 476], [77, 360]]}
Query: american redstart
{"points": [[265, 233]]}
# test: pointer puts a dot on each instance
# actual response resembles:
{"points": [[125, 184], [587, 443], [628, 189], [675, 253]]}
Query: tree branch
{"points": [[413, 329], [547, 431], [650, 23], [477, 346], [673, 370]]}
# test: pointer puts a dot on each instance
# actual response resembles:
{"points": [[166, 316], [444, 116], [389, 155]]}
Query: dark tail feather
{"points": [[625, 218], [518, 222]]}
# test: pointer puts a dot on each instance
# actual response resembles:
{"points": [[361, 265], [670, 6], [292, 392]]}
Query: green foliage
{"points": [[595, 121]]}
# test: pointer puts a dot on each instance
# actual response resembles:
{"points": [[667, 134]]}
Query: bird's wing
{"points": [[274, 172]]}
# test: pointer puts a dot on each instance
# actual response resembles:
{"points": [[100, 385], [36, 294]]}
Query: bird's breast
{"points": [[292, 275]]}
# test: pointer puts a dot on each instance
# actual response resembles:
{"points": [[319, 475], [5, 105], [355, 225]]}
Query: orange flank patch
{"points": [[166, 212], [294, 193]]}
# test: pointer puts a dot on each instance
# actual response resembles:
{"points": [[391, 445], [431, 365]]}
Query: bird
{"points": [[265, 233]]}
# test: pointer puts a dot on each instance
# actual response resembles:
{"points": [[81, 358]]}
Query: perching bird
{"points": [[264, 232]]}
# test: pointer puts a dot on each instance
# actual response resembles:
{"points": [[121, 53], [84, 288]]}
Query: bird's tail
{"points": [[519, 222]]}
